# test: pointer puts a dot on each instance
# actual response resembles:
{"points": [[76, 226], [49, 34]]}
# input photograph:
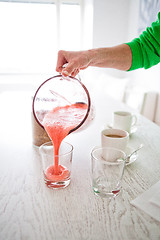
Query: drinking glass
{"points": [[63, 177], [107, 171]]}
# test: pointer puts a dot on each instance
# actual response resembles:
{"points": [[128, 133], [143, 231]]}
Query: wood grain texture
{"points": [[29, 210]]}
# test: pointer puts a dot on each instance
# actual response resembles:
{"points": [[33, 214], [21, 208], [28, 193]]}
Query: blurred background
{"points": [[32, 32]]}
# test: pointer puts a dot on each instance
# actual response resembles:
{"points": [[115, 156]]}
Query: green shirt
{"points": [[146, 48]]}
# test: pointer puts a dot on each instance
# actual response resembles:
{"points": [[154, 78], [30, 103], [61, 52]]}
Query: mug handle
{"points": [[134, 120]]}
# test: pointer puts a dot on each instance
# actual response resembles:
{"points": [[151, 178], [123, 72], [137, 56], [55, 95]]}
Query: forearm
{"points": [[118, 57]]}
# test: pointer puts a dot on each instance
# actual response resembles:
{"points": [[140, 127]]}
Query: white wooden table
{"points": [[29, 210]]}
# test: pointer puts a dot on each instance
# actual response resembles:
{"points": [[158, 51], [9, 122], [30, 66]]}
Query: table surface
{"points": [[30, 210]]}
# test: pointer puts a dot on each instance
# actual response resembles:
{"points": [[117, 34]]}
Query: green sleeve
{"points": [[146, 48]]}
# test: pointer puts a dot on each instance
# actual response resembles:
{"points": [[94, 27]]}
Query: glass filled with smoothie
{"points": [[61, 105], [57, 175]]}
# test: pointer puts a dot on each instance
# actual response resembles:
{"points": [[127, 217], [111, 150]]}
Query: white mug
{"points": [[124, 120], [115, 138]]}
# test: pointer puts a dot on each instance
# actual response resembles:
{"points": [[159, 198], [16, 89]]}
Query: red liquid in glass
{"points": [[116, 191], [58, 124]]}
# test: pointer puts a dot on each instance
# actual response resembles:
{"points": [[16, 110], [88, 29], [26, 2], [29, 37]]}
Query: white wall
{"points": [[110, 22], [114, 22]]}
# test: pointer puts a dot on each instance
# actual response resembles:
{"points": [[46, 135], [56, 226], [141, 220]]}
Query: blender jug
{"points": [[60, 91]]}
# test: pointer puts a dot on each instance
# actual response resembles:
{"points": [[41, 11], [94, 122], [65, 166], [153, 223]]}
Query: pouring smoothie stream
{"points": [[58, 123]]}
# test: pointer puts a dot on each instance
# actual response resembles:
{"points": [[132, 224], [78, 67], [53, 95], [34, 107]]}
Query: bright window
{"points": [[32, 33], [70, 30]]}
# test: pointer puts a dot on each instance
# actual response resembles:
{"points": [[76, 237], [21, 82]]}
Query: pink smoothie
{"points": [[58, 124]]}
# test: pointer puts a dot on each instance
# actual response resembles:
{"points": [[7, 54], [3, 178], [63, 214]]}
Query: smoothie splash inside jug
{"points": [[61, 105]]}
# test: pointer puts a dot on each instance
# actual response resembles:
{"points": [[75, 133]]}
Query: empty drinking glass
{"points": [[107, 171]]}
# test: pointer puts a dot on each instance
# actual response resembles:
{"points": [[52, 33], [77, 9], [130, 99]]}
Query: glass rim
{"points": [[51, 145], [105, 161]]}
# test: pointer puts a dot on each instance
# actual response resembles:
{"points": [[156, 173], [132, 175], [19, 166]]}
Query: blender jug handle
{"points": [[78, 75]]}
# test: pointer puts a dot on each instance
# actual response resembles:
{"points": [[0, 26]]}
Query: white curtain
{"points": [[148, 10]]}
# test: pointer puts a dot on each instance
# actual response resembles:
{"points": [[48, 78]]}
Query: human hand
{"points": [[75, 61]]}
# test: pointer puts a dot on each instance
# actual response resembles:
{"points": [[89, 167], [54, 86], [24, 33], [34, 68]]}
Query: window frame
{"points": [[46, 1]]}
